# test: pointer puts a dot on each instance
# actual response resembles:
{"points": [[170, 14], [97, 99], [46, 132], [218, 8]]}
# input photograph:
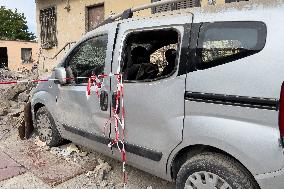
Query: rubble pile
{"points": [[13, 98], [77, 154], [6, 75], [70, 152]]}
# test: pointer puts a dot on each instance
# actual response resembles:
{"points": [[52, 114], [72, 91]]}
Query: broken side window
{"points": [[87, 59], [159, 56], [150, 55], [48, 28], [26, 55]]}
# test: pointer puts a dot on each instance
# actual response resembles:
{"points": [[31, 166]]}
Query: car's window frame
{"points": [[177, 61], [261, 42], [76, 49]]}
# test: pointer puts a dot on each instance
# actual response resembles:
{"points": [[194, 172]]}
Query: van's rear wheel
{"points": [[46, 129], [214, 171]]}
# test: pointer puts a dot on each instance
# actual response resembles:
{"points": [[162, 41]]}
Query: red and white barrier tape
{"points": [[35, 81], [119, 120], [24, 81]]}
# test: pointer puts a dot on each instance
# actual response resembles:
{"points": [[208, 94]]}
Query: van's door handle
{"points": [[104, 100], [114, 96]]}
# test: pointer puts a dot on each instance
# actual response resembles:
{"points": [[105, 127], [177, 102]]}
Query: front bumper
{"points": [[272, 180]]}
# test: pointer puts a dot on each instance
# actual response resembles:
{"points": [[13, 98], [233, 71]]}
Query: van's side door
{"points": [[154, 110], [79, 114]]}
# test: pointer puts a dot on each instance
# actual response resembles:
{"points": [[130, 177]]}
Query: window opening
{"points": [[87, 59], [150, 55], [26, 55], [95, 16], [3, 57], [224, 42], [48, 28]]}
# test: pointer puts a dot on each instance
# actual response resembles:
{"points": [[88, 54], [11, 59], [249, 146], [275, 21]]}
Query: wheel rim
{"points": [[206, 180], [44, 128]]}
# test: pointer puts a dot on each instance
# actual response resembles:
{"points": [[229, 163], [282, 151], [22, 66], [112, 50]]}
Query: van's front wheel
{"points": [[46, 129], [214, 171]]}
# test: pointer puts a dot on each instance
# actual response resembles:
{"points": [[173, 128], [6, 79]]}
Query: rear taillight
{"points": [[281, 112]]}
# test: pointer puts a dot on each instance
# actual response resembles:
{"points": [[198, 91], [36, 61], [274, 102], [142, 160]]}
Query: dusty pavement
{"points": [[30, 164]]}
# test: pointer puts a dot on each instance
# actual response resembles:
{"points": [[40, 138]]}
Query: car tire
{"points": [[214, 170], [45, 128]]}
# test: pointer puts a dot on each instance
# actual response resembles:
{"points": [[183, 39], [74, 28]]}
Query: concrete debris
{"points": [[23, 97], [72, 148], [55, 151], [104, 183], [39, 143], [3, 111], [6, 75], [5, 104], [100, 171], [70, 152], [12, 92], [12, 100], [65, 151], [14, 104], [83, 154], [4, 107], [16, 112]]}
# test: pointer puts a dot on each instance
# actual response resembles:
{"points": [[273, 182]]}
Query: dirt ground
{"points": [[50, 168], [26, 164]]}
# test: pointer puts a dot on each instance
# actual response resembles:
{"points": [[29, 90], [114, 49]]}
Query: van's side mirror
{"points": [[60, 74]]}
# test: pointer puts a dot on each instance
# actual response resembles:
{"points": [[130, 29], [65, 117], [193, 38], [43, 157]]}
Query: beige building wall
{"points": [[71, 25], [14, 53]]}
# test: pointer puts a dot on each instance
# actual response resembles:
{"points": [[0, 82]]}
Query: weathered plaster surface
{"points": [[14, 53]]}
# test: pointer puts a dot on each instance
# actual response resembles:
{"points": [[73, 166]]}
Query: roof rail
{"points": [[143, 7], [129, 12]]}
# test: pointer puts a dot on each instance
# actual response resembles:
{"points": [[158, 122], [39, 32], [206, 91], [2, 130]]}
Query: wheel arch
{"points": [[41, 99], [37, 106], [189, 151]]}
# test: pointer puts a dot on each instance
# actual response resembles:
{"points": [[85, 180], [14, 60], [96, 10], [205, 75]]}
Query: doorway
{"points": [[95, 16], [3, 57]]}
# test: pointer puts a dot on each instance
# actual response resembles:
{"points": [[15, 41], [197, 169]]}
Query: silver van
{"points": [[203, 94]]}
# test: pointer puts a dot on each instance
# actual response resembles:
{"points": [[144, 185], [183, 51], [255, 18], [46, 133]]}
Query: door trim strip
{"points": [[131, 148], [233, 100]]}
